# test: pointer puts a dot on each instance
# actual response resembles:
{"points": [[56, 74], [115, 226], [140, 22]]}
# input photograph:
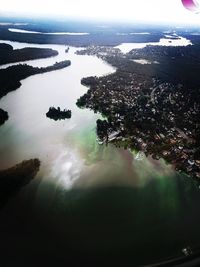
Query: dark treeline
{"points": [[175, 64], [58, 114], [8, 55], [10, 77], [3, 116], [95, 38], [11, 180], [164, 53], [180, 70]]}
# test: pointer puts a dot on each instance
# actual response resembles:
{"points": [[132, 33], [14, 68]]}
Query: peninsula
{"points": [[152, 108], [3, 116], [9, 55], [11, 76], [12, 179]]}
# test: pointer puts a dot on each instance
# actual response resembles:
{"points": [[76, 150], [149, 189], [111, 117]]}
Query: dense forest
{"points": [[108, 38], [9, 55], [10, 77]]}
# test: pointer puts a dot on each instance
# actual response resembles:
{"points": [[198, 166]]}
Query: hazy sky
{"points": [[127, 10]]}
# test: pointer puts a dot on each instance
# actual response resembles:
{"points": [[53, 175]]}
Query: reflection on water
{"points": [[68, 149], [91, 198], [135, 224], [28, 132]]}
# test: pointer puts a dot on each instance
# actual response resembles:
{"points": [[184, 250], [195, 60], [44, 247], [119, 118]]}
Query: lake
{"points": [[54, 33], [169, 40], [89, 202]]}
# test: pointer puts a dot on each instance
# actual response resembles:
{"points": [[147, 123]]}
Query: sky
{"points": [[115, 10]]}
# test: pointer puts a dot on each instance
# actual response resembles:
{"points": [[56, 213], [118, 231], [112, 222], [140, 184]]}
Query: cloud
{"points": [[127, 10]]}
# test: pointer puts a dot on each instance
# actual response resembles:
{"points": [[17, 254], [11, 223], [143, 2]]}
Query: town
{"points": [[146, 114]]}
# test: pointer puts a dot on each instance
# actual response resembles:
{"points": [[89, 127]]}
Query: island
{"points": [[3, 116], [9, 55], [58, 114], [14, 178], [10, 77]]}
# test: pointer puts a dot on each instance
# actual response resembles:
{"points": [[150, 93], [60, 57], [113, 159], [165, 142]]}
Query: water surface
{"points": [[168, 41], [54, 33], [88, 199]]}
